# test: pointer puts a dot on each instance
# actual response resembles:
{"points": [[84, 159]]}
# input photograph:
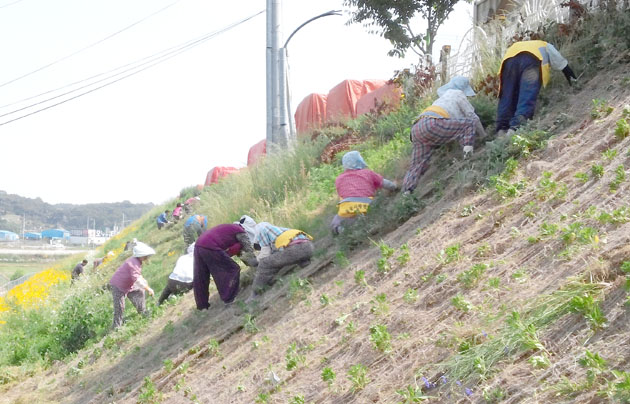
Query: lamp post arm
{"points": [[331, 12]]}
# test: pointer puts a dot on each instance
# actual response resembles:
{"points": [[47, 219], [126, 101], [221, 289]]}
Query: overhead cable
{"points": [[180, 49], [39, 69], [10, 4]]}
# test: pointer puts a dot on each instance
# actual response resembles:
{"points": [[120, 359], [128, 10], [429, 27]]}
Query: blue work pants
{"points": [[520, 84]]}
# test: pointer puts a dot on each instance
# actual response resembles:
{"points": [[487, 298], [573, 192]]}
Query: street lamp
{"points": [[283, 80]]}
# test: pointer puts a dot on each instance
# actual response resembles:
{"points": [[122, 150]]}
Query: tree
{"points": [[393, 19]]}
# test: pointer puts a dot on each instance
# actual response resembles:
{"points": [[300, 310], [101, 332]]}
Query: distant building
{"points": [[6, 235], [56, 234], [32, 236]]}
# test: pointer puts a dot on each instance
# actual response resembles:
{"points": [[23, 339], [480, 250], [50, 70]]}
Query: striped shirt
{"points": [[266, 234]]}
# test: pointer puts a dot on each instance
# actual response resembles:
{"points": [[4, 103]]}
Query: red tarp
{"points": [[341, 102], [311, 113], [218, 172], [256, 152], [389, 94]]}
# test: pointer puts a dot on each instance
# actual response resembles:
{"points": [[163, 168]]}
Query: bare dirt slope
{"points": [[330, 325]]}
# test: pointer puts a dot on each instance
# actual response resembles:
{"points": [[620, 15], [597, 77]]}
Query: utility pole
{"points": [[277, 128]]}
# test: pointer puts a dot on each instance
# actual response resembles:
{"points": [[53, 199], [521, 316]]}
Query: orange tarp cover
{"points": [[218, 172], [256, 152], [389, 93], [311, 113], [341, 102]]}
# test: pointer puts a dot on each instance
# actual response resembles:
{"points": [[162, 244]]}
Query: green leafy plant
{"points": [[213, 347], [359, 277], [595, 366], [494, 282], [328, 376], [294, 357], [597, 171], [411, 395], [530, 209], [358, 377], [550, 189], [461, 303], [387, 252], [587, 306], [493, 395], [577, 232], [324, 300], [341, 260], [620, 176], [249, 324], [583, 177], [299, 289], [609, 154], [467, 210], [600, 109], [449, 254], [471, 277], [298, 399], [410, 296], [379, 305], [622, 130], [381, 338], [404, 257], [539, 361], [148, 393]]}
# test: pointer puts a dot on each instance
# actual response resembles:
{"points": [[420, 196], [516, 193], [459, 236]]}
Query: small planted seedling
{"points": [[148, 393], [589, 308], [324, 300], [461, 303], [249, 324], [294, 357], [583, 177], [299, 289], [449, 254], [213, 347], [483, 250], [467, 210], [328, 376], [471, 277], [494, 282], [410, 296], [539, 361], [494, 395], [609, 154], [387, 252], [530, 209], [595, 366], [622, 130], [358, 377], [403, 258], [359, 277], [298, 399], [550, 189], [600, 109], [381, 338], [620, 176], [411, 395], [577, 232], [379, 305], [597, 171], [341, 260]]}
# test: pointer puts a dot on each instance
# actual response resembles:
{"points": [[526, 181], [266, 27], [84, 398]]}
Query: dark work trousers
{"points": [[269, 266], [174, 287], [520, 84], [225, 272], [137, 299]]}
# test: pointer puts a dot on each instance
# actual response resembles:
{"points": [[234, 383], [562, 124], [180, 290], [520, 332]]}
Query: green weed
{"points": [[539, 361], [249, 324], [609, 154], [494, 282], [358, 377], [530, 209], [620, 176], [324, 300], [213, 347], [494, 395], [341, 260], [298, 399], [483, 250], [595, 366], [550, 189], [381, 338]]}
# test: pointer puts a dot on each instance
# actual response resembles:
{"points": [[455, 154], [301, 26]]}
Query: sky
{"points": [[147, 136]]}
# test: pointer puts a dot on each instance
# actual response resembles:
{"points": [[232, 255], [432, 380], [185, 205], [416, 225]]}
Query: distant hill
{"points": [[41, 215]]}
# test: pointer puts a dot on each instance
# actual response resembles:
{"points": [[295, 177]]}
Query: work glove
{"points": [[150, 291], [468, 151], [568, 73]]}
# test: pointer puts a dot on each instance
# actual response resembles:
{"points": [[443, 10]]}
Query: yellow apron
{"points": [[287, 236], [533, 48]]}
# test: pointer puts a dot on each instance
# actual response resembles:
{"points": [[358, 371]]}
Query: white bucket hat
{"points": [[457, 83], [249, 225], [142, 250]]}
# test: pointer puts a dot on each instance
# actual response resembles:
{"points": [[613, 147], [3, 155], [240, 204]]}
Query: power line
{"points": [[10, 4], [189, 45], [39, 69]]}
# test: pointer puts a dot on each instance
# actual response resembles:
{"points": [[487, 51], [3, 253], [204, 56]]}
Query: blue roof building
{"points": [[56, 234], [6, 235], [32, 236]]}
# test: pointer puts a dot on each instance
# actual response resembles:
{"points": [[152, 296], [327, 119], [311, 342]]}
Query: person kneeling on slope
{"points": [[181, 279], [194, 226], [213, 250], [279, 247], [127, 281], [450, 117], [525, 66], [356, 187]]}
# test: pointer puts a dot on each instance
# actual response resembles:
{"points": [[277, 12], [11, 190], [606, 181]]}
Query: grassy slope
{"points": [[429, 333]]}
